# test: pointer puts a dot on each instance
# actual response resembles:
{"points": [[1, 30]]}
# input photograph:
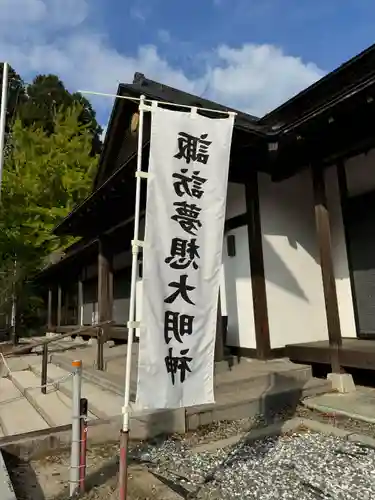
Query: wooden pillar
{"points": [[258, 281], [65, 307], [326, 262], [110, 296], [80, 303], [104, 282], [59, 303], [49, 310]]}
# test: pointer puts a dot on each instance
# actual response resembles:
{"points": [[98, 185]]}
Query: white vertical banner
{"points": [[182, 255]]}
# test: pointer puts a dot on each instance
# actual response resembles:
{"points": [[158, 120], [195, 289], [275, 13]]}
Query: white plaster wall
{"points": [[235, 281], [120, 311], [236, 201], [360, 173], [236, 205], [339, 256], [239, 298], [295, 299]]}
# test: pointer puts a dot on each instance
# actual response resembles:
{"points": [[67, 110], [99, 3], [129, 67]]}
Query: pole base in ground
{"points": [[341, 382], [123, 469], [14, 337]]}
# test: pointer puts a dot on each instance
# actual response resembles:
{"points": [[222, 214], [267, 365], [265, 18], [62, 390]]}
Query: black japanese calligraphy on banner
{"points": [[185, 212], [187, 215], [191, 185], [183, 254], [192, 148]]}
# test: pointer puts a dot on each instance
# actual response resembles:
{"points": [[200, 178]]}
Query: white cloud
{"points": [[138, 13], [254, 78], [53, 13], [164, 36], [20, 11], [258, 77]]}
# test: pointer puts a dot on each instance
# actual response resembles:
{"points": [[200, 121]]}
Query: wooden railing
{"points": [[46, 341]]}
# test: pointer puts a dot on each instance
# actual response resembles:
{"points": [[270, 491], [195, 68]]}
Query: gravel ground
{"points": [[301, 466], [342, 422]]}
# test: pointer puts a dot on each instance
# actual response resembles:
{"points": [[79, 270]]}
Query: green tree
{"points": [[45, 95], [45, 174], [16, 93]]}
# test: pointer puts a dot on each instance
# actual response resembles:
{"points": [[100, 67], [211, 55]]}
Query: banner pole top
{"points": [[166, 103]]}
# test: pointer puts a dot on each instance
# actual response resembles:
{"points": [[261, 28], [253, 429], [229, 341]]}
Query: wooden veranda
{"points": [[353, 353]]}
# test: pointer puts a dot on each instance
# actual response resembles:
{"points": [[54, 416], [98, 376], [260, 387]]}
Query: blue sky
{"points": [[250, 54]]}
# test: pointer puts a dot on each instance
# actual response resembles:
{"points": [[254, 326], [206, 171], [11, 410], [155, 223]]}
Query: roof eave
{"points": [[354, 64]]}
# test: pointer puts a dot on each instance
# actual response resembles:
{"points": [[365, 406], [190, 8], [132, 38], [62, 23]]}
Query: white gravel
{"points": [[301, 466]]}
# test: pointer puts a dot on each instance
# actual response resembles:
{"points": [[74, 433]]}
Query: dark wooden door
{"points": [[360, 222]]}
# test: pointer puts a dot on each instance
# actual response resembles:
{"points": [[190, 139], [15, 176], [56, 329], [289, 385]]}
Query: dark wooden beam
{"points": [[326, 263], [65, 306], [49, 310], [80, 302], [258, 282], [111, 288], [59, 303], [104, 281]]}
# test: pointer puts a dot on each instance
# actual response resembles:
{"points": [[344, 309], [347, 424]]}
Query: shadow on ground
{"points": [[25, 483], [108, 471], [277, 405]]}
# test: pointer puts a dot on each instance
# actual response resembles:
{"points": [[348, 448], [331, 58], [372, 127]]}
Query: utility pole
{"points": [[3, 115], [3, 118]]}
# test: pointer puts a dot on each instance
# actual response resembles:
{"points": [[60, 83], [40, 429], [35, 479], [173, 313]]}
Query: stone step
{"points": [[103, 379], [264, 373], [102, 402], [244, 376], [115, 357], [17, 416], [55, 407], [88, 354], [62, 345], [18, 363], [247, 403]]}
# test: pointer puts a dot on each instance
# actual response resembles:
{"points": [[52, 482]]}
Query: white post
{"points": [[76, 428], [80, 303], [14, 305], [138, 301], [3, 115], [135, 251]]}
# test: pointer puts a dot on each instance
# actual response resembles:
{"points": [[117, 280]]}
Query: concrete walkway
{"points": [[247, 389], [359, 404]]}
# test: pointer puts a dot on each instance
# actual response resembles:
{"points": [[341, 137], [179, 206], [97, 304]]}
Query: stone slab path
{"points": [[244, 390], [359, 404]]}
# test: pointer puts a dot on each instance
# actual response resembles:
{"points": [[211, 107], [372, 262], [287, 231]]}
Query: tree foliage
{"points": [[52, 144], [16, 93], [36, 104], [46, 173]]}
